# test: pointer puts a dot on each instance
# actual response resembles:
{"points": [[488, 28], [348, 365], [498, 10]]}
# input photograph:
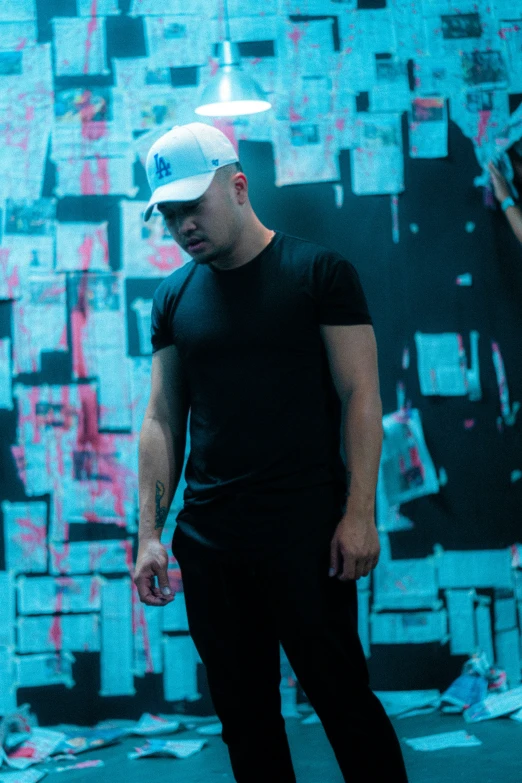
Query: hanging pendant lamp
{"points": [[231, 91]]}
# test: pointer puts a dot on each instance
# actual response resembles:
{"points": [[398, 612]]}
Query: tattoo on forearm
{"points": [[161, 511]]}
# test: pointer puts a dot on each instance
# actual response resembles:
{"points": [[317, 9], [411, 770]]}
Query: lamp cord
{"points": [[227, 23]]}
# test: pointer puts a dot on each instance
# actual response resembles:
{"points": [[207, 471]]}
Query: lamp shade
{"points": [[231, 91]]}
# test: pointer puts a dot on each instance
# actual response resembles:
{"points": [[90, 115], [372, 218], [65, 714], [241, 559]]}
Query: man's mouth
{"points": [[195, 245]]}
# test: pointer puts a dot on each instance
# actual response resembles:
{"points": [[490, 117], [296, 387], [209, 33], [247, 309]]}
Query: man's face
{"points": [[207, 227]]}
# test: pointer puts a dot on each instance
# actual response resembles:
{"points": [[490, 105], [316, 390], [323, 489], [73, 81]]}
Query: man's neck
{"points": [[250, 244]]}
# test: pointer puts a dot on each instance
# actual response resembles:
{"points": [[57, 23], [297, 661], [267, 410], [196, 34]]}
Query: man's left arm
{"points": [[352, 358]]}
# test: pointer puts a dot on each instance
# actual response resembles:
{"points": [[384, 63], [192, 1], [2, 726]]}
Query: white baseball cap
{"points": [[182, 163]]}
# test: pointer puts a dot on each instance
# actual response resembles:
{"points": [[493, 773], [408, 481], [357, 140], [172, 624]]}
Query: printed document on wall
{"points": [[428, 123], [377, 162]]}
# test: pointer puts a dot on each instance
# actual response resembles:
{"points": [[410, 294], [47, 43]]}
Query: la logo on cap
{"points": [[162, 167]]}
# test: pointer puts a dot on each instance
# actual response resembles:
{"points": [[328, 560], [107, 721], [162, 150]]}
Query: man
{"points": [[503, 191], [266, 340]]}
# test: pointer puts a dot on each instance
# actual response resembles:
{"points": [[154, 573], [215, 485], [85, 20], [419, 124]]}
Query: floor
{"points": [[498, 759]]}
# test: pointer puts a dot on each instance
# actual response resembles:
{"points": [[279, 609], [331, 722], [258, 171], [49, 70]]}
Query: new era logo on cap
{"points": [[182, 163]]}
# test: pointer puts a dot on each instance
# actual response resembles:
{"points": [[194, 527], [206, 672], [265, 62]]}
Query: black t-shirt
{"points": [[265, 420]]}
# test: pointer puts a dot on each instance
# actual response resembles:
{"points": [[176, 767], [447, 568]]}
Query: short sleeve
{"points": [[339, 294], [160, 331]]}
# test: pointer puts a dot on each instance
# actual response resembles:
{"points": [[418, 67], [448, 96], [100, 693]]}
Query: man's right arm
{"points": [[161, 456]]}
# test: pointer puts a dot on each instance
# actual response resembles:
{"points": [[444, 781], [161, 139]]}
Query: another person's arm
{"points": [[161, 456], [502, 192], [352, 357]]}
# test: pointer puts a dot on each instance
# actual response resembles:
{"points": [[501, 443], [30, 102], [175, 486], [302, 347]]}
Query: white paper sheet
{"points": [[180, 673], [179, 41], [175, 615], [407, 470], [428, 124], [18, 35], [399, 703], [409, 627], [44, 669], [6, 370], [97, 7], [84, 557], [304, 49], [40, 745], [79, 46], [442, 364], [70, 632], [405, 584], [27, 243], [7, 680], [23, 776], [377, 161], [116, 639], [7, 610], [49, 594], [95, 176], [505, 612], [460, 605], [82, 246], [483, 626], [39, 321], [148, 249], [11, 10], [305, 152], [474, 568], [507, 646], [161, 7], [448, 739], [25, 536], [494, 706]]}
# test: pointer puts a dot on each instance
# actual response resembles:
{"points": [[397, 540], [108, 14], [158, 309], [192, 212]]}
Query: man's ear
{"points": [[240, 184]]}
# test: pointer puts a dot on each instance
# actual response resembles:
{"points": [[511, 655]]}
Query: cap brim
{"points": [[182, 190]]}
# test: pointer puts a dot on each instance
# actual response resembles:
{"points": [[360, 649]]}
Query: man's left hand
{"points": [[499, 182], [355, 548]]}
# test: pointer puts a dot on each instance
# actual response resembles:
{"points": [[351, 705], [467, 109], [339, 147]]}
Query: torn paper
{"points": [[6, 370], [39, 322], [79, 46], [406, 584], [8, 681], [449, 739], [178, 41], [180, 668], [50, 595], [25, 536], [507, 646], [474, 568], [409, 627], [406, 470], [44, 669], [442, 365], [84, 557], [494, 706], [82, 246], [377, 161], [116, 639], [428, 126], [461, 614], [72, 632]]}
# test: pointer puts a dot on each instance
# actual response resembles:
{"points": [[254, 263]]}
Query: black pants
{"points": [[239, 610]]}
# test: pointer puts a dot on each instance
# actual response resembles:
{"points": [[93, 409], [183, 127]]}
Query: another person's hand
{"points": [[356, 543], [152, 561], [500, 185]]}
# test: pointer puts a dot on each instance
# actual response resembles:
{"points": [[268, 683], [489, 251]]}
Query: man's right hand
{"points": [[152, 561]]}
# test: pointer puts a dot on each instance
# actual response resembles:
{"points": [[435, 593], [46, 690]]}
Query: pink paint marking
{"points": [[22, 43], [484, 117], [85, 252], [103, 175], [56, 633], [91, 27], [228, 129], [296, 35], [31, 536], [18, 453], [294, 116], [94, 592], [127, 546], [214, 66], [166, 259], [88, 431], [100, 236], [87, 183], [469, 424], [60, 559]]}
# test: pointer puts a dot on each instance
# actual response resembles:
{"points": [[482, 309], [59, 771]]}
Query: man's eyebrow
{"points": [[168, 205]]}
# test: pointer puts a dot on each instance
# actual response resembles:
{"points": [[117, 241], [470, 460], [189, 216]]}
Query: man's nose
{"points": [[185, 224]]}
